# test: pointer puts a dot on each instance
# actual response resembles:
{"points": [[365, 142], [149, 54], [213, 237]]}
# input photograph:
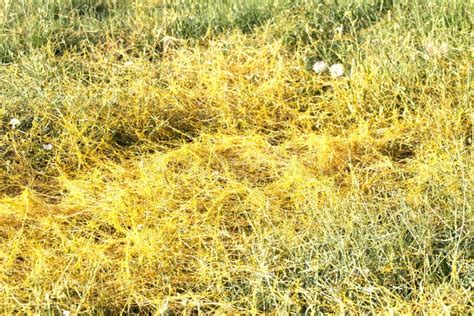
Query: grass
{"points": [[198, 165]]}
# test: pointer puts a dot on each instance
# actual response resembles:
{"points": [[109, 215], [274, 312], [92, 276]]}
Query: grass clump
{"points": [[180, 157]]}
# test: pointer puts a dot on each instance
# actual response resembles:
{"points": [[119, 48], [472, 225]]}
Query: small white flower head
{"points": [[336, 70], [128, 64], [140, 227], [320, 67], [430, 48], [444, 49], [338, 30], [47, 146], [435, 50], [66, 313], [370, 289], [14, 122]]}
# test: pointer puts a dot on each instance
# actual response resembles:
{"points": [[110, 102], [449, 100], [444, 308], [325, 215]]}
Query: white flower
{"points": [[14, 122], [370, 289], [320, 67], [435, 50], [47, 146], [339, 30], [140, 227], [444, 49], [128, 64], [336, 70], [66, 313], [431, 48]]}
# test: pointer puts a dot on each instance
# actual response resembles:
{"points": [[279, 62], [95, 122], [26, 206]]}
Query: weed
{"points": [[176, 157]]}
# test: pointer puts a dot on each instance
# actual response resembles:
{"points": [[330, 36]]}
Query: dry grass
{"points": [[217, 174]]}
